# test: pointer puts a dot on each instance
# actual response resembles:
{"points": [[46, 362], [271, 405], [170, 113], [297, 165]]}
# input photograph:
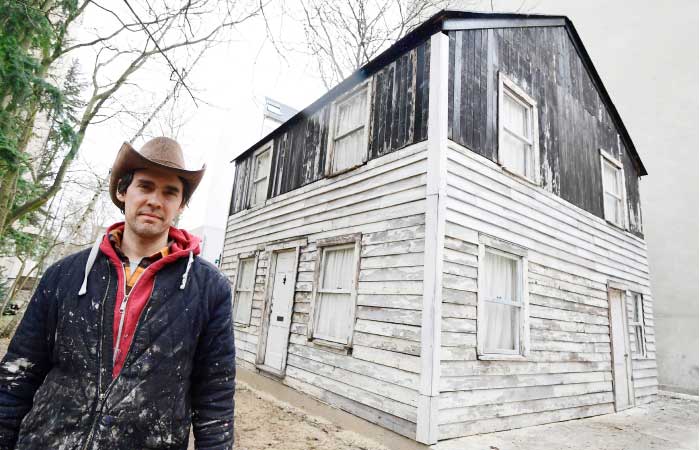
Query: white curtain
{"points": [[335, 299], [244, 291], [349, 148], [502, 321]]}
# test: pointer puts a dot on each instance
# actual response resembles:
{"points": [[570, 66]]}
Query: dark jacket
{"points": [[56, 386]]}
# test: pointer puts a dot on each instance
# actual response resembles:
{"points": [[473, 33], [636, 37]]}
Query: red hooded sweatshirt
{"points": [[184, 245]]}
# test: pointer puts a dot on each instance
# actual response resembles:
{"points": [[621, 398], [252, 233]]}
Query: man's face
{"points": [[151, 202]]}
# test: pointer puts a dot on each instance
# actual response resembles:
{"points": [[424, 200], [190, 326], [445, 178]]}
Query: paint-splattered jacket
{"points": [[56, 384]]}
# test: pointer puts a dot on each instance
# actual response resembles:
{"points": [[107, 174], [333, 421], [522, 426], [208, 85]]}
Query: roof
{"points": [[446, 20]]}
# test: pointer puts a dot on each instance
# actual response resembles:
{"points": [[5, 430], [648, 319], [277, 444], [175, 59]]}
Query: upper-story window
{"points": [[517, 134], [347, 145], [261, 174], [613, 189]]}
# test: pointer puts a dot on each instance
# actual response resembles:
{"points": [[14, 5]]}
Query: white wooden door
{"points": [[280, 311], [622, 365]]}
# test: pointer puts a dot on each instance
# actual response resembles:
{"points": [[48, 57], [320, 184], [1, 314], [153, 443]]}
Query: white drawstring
{"points": [[187, 270], [88, 265]]}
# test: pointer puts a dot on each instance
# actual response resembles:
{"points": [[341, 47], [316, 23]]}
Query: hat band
{"points": [[167, 163]]}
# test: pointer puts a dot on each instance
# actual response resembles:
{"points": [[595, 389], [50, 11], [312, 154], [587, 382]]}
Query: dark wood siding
{"points": [[241, 185], [299, 155], [573, 120], [400, 103], [398, 117]]}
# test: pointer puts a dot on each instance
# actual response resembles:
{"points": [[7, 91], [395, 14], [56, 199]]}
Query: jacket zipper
{"points": [[122, 310], [99, 399], [104, 395]]}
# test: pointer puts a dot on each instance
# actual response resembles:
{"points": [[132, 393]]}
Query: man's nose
{"points": [[154, 200]]}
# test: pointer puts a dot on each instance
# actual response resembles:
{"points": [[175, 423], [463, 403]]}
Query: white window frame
{"points": [[332, 138], [638, 322], [241, 259], [607, 158], [507, 87], [520, 254], [257, 178], [353, 241]]}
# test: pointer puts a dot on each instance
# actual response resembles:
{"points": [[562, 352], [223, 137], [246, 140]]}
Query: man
{"points": [[125, 345]]}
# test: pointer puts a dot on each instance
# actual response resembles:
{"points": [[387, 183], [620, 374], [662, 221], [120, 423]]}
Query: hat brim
{"points": [[128, 160]]}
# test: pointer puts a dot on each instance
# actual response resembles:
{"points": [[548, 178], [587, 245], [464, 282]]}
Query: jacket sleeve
{"points": [[213, 377], [27, 361]]}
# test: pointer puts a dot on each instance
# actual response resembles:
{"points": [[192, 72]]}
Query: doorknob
{"points": [[284, 279]]}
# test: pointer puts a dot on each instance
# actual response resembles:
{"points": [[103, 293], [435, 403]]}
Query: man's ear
{"points": [[121, 197]]}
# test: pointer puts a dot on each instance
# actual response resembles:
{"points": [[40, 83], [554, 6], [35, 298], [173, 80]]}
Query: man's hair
{"points": [[128, 177]]}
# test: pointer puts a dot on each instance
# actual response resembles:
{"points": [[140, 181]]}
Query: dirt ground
{"points": [[264, 423]]}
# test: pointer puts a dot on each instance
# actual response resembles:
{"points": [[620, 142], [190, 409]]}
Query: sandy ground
{"points": [[264, 423]]}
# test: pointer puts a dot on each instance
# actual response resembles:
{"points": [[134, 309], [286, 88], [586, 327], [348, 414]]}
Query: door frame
{"points": [[623, 289], [272, 250]]}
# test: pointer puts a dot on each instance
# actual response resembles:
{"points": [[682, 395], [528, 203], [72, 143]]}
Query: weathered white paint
{"points": [[426, 430], [572, 257], [619, 335], [278, 319]]}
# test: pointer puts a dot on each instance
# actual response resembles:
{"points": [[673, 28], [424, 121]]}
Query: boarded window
{"points": [[334, 307], [261, 173], [517, 150], [613, 194], [348, 147], [243, 297], [636, 323]]}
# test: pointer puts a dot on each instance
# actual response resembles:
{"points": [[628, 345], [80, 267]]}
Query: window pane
{"points": [[515, 154], [259, 191], [501, 276], [334, 315], [244, 304], [612, 208], [262, 164], [638, 340], [338, 270], [515, 115], [348, 151], [351, 113], [502, 327], [246, 276], [610, 178]]}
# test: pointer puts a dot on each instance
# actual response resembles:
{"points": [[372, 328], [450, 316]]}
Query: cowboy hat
{"points": [[159, 153]]}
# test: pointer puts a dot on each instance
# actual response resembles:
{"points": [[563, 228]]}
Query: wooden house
{"points": [[450, 242]]}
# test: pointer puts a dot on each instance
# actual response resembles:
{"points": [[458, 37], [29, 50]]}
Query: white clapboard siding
{"points": [[504, 381], [523, 420], [572, 255], [378, 378], [511, 220], [396, 424], [502, 395]]}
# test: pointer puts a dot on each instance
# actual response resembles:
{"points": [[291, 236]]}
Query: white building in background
{"points": [[212, 231]]}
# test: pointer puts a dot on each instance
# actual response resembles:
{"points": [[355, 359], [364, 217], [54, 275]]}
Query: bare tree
{"points": [[127, 37], [343, 36]]}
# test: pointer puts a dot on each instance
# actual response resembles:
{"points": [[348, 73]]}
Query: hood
{"points": [[183, 245]]}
